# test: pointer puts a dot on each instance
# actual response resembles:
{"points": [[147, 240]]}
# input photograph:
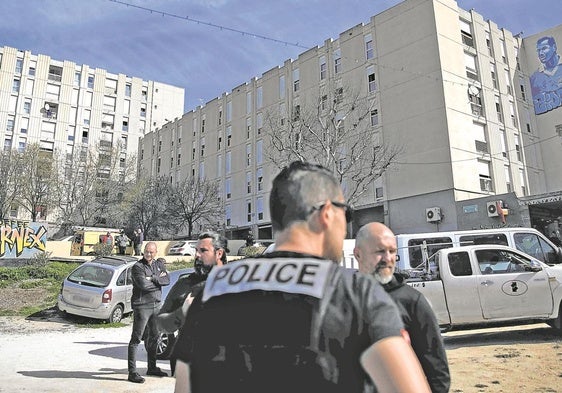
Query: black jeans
{"points": [[144, 328]]}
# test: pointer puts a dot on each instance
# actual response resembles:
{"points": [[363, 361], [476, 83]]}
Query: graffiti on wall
{"points": [[21, 239], [546, 82]]}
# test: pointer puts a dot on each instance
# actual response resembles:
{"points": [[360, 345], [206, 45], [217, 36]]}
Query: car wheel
{"points": [[164, 345], [116, 314]]}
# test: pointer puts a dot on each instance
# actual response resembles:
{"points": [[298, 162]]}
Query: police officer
{"points": [[375, 251], [293, 321], [210, 251]]}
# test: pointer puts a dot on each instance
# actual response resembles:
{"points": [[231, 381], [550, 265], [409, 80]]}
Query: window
{"points": [[339, 95], [296, 112], [16, 86], [127, 90], [143, 110], [518, 148], [144, 94], [22, 143], [228, 214], [248, 127], [470, 64], [52, 92], [228, 161], [125, 125], [70, 133], [219, 141], [323, 67], [10, 124], [27, 106], [219, 165], [32, 67], [522, 180], [227, 190], [512, 113], [508, 181], [259, 179], [337, 61], [88, 96], [86, 116], [248, 182], [259, 207], [522, 89], [55, 73], [179, 159], [489, 44], [109, 103], [203, 120], [24, 125], [480, 141], [29, 87], [282, 86], [77, 77], [229, 111], [7, 144], [369, 50], [499, 109], [259, 121], [193, 150], [508, 82], [475, 102], [19, 66], [228, 136], [374, 117], [248, 155], [502, 48], [371, 79], [249, 210], [259, 97], [110, 86], [484, 175], [493, 75], [379, 193], [90, 81], [296, 79], [324, 102], [503, 143], [202, 143], [459, 264], [259, 152], [249, 102], [466, 33]]}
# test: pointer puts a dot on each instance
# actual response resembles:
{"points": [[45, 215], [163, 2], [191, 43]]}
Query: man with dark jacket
{"points": [[375, 250], [210, 251], [149, 276]]}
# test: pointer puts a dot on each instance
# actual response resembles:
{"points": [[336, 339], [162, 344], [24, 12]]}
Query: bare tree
{"points": [[195, 201], [11, 180], [334, 128], [146, 202], [34, 195], [91, 186]]}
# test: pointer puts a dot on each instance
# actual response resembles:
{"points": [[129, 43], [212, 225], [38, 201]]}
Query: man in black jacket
{"points": [[149, 276], [375, 250], [210, 251]]}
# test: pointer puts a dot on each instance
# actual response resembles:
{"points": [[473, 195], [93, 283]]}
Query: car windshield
{"points": [[178, 245], [96, 276]]}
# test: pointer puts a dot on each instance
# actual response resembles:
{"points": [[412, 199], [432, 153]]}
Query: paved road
{"points": [[63, 358]]}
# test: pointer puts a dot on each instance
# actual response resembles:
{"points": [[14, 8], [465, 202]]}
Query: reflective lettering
{"points": [[307, 270], [280, 271]]}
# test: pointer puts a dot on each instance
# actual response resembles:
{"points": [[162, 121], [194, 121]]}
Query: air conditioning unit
{"points": [[433, 214], [492, 209]]}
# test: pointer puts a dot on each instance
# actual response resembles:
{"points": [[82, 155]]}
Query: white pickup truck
{"points": [[490, 283]]}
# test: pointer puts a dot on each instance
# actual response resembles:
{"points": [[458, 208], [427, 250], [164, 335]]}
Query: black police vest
{"points": [[260, 328]]}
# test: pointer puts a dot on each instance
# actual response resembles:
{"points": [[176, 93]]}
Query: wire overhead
{"points": [[219, 27]]}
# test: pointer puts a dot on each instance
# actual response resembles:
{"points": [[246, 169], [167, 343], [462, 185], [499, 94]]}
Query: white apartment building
{"points": [[64, 106], [448, 87]]}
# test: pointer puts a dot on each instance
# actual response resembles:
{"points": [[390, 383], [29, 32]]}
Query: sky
{"points": [[165, 46]]}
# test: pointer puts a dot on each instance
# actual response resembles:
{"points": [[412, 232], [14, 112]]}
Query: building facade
{"points": [[448, 88], [64, 106]]}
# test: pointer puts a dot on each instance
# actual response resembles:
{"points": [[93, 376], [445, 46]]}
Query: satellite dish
{"points": [[473, 90], [46, 106]]}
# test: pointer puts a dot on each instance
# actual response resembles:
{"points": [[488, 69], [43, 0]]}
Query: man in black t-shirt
{"points": [[293, 321]]}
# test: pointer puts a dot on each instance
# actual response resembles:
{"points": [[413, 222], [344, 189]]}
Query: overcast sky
{"points": [[207, 61]]}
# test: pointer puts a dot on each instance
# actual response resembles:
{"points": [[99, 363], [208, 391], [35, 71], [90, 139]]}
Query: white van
{"points": [[528, 240]]}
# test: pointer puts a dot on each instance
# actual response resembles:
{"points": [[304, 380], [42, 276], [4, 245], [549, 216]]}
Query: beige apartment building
{"points": [[448, 87], [64, 106]]}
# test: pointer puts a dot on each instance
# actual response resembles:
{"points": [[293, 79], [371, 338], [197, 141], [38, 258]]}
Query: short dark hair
{"points": [[218, 241], [550, 40], [296, 189]]}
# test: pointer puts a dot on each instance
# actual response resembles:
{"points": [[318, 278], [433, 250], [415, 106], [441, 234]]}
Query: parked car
{"points": [[100, 289], [186, 247], [166, 340]]}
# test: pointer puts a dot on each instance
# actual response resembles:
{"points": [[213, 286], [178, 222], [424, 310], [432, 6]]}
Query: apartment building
{"points": [[64, 106], [446, 86]]}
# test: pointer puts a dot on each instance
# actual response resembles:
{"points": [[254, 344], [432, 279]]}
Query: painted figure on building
{"points": [[546, 82]]}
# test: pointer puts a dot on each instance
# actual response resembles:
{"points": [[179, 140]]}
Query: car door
{"points": [[507, 288], [124, 288]]}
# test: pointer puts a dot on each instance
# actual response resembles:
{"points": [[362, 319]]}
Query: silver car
{"points": [[100, 289]]}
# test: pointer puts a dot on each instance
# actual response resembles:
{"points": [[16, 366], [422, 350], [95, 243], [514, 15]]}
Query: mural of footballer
{"points": [[546, 82]]}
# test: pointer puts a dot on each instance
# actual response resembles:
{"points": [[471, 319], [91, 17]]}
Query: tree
{"points": [[34, 195], [195, 201], [91, 186], [147, 200], [334, 127], [11, 181]]}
